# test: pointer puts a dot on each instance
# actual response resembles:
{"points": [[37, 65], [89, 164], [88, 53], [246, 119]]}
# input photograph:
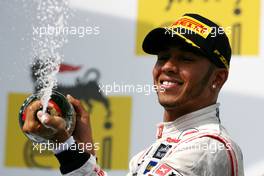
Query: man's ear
{"points": [[221, 75]]}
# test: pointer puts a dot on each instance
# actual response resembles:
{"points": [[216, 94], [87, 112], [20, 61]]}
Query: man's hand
{"points": [[38, 125], [82, 132]]}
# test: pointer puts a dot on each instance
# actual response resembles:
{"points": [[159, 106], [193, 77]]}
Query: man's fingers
{"points": [[76, 103], [31, 110], [31, 124], [54, 122]]}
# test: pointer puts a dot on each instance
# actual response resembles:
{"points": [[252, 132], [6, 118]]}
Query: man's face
{"points": [[182, 78]]}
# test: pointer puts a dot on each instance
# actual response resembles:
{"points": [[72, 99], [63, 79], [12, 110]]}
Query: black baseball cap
{"points": [[197, 32]]}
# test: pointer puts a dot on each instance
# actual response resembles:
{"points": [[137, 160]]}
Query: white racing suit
{"points": [[195, 144]]}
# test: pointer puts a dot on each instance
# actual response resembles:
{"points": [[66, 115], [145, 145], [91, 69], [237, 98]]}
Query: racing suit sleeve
{"points": [[75, 162], [201, 157]]}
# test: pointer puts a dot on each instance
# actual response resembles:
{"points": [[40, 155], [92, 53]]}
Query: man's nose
{"points": [[170, 66]]}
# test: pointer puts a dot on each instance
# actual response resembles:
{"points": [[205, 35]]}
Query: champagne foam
{"points": [[47, 44]]}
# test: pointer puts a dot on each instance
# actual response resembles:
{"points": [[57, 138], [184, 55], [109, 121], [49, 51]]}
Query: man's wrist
{"points": [[72, 159]]}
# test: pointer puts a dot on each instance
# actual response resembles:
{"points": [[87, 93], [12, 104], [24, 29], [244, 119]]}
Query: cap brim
{"points": [[159, 39]]}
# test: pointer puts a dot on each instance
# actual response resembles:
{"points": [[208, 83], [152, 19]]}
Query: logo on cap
{"points": [[193, 25]]}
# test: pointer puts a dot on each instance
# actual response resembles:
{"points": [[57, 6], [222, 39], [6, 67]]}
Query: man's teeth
{"points": [[168, 83]]}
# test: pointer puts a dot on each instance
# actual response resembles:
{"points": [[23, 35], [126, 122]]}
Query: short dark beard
{"points": [[202, 85]]}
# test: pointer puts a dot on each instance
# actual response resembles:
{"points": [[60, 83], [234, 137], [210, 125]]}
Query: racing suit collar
{"points": [[207, 115]]}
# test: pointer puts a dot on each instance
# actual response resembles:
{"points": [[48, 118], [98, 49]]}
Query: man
{"points": [[192, 66]]}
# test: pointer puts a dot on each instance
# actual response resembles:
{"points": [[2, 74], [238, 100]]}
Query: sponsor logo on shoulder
{"points": [[161, 151]]}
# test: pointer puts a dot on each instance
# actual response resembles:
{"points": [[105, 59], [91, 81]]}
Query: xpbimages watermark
{"points": [[145, 89], [80, 147], [172, 31], [79, 31], [213, 147]]}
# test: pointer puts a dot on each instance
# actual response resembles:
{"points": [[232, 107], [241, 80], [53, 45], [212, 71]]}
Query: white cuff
{"points": [[92, 159], [63, 146]]}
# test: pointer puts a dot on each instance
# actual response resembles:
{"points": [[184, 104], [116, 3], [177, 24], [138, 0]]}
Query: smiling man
{"points": [[186, 78], [192, 66]]}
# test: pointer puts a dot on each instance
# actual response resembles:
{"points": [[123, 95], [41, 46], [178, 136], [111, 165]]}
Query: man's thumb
{"points": [[54, 122]]}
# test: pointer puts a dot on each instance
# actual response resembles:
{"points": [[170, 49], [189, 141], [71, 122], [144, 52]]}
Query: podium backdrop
{"points": [[109, 55]]}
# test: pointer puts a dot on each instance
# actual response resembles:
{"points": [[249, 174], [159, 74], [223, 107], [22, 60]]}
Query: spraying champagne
{"points": [[58, 106]]}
